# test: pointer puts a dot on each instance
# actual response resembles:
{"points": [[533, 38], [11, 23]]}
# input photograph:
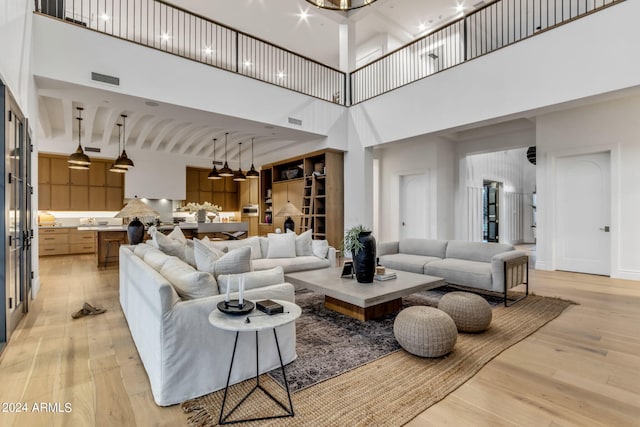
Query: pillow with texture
{"points": [[303, 243], [282, 245], [220, 250], [252, 280], [252, 242], [177, 234], [235, 262], [156, 258], [320, 248], [188, 282], [264, 246], [142, 249], [168, 245]]}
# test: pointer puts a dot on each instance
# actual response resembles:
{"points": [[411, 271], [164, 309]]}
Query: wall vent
{"points": [[92, 149], [105, 79], [295, 121]]}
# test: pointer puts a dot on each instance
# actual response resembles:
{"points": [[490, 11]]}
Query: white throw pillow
{"points": [[282, 245], [141, 249], [235, 262], [220, 251], [320, 248], [169, 246], [252, 242], [177, 234], [303, 243], [252, 280], [188, 282], [156, 258]]}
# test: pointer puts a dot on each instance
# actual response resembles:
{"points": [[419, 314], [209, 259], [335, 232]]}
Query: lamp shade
{"points": [[289, 210]]}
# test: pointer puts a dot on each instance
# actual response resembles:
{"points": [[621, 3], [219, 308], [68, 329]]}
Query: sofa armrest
{"points": [[516, 261], [387, 248], [331, 256]]}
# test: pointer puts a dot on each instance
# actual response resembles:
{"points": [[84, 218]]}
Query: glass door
{"points": [[17, 218]]}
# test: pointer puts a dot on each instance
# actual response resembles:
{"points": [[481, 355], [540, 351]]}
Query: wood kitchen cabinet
{"points": [[64, 189], [65, 241], [221, 192]]}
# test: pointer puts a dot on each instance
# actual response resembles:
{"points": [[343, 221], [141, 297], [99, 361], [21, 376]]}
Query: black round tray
{"points": [[231, 307]]}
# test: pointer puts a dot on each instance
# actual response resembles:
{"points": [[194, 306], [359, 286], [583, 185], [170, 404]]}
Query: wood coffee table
{"points": [[363, 301]]}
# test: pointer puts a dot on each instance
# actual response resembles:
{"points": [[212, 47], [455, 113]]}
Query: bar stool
{"points": [[110, 242], [235, 235]]}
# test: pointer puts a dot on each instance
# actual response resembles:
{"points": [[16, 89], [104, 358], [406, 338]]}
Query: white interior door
{"points": [[414, 214], [583, 214]]}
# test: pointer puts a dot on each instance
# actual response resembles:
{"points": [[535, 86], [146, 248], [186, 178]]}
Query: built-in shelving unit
{"points": [[314, 184]]}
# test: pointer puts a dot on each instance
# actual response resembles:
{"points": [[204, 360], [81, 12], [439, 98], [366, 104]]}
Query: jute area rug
{"points": [[388, 391]]}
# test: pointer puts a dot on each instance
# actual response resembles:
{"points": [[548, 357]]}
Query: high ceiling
{"points": [[382, 26]]}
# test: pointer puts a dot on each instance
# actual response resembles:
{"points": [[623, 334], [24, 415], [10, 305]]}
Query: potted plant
{"points": [[362, 246]]}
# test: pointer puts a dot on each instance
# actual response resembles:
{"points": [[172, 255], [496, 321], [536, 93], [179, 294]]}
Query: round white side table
{"points": [[258, 321]]}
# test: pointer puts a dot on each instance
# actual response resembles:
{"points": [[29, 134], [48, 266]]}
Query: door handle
{"points": [[606, 228], [403, 223]]}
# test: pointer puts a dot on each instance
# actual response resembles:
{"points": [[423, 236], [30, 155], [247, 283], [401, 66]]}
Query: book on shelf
{"points": [[386, 276]]}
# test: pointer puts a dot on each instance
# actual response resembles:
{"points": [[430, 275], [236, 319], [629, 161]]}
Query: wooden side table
{"points": [[258, 321]]}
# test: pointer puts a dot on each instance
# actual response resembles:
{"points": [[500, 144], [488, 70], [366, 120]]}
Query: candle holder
{"points": [[233, 307]]}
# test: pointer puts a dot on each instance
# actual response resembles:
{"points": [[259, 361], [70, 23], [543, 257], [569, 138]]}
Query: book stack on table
{"points": [[385, 276]]}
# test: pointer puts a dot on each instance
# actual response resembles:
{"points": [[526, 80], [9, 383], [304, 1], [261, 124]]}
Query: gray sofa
{"points": [[486, 266]]}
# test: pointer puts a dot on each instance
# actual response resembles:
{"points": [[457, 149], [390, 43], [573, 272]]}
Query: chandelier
{"points": [[342, 5]]}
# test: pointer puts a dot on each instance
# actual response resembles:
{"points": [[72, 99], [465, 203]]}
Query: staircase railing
{"points": [[168, 28]]}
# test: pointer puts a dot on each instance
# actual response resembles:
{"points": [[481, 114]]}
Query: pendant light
{"points": [[123, 161], [214, 171], [252, 173], [79, 160], [226, 170], [238, 175], [115, 168]]}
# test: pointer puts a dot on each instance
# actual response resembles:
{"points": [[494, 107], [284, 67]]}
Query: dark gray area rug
{"points": [[329, 343]]}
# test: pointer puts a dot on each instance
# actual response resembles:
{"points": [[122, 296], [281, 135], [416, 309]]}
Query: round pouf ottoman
{"points": [[425, 331], [470, 312]]}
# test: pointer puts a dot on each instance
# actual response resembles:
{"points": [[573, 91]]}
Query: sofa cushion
{"points": [[177, 234], [142, 248], [156, 258], [188, 282], [320, 248], [462, 272], [282, 245], [251, 242], [234, 262], [175, 246], [425, 247], [289, 265], [303, 243], [220, 251], [407, 262], [252, 279], [475, 251]]}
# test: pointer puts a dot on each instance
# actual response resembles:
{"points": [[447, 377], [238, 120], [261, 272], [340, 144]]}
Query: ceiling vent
{"points": [[295, 121], [105, 79], [92, 149]]}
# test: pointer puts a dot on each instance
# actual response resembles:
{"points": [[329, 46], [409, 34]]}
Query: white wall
{"points": [[431, 156], [609, 126], [569, 63]]}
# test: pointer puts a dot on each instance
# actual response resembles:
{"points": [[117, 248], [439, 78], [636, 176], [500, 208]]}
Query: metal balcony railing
{"points": [[492, 27], [170, 29], [161, 26]]}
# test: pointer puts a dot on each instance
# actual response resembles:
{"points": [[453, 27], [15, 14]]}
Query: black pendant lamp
{"points": [[531, 155], [226, 170], [252, 173], [238, 175], [123, 161], [79, 160], [214, 171], [113, 167]]}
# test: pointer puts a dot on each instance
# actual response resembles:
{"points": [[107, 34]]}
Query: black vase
{"points": [[135, 232], [364, 262]]}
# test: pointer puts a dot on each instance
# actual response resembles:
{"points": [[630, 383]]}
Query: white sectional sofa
{"points": [[183, 354], [486, 266]]}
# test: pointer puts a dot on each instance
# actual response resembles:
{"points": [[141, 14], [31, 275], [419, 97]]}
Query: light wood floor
{"points": [[581, 369]]}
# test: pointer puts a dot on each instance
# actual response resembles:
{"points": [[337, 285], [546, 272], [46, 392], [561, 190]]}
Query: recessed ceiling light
{"points": [[460, 8], [304, 15], [422, 26]]}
